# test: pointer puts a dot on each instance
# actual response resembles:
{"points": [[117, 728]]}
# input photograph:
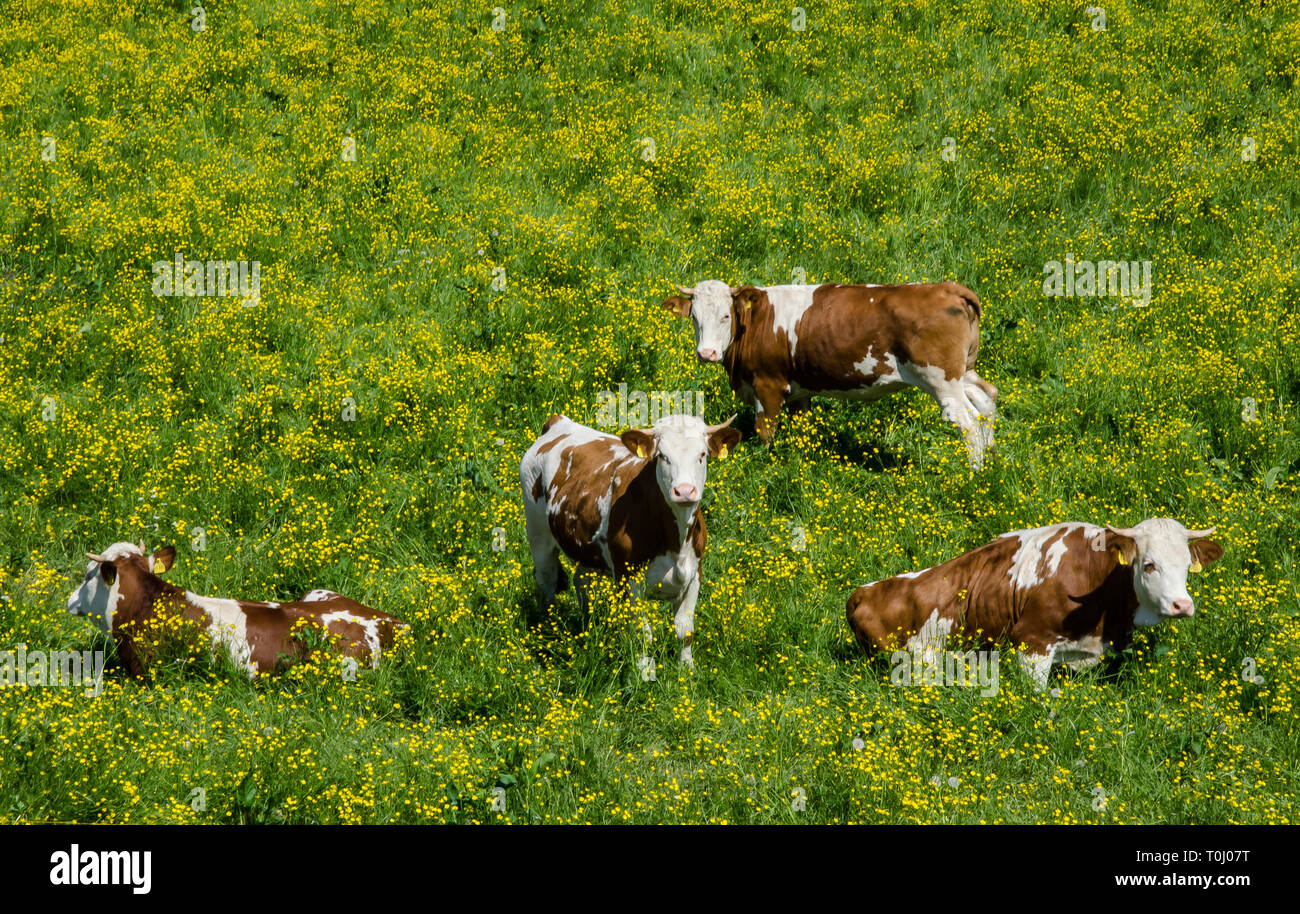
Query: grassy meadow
{"points": [[465, 221]]}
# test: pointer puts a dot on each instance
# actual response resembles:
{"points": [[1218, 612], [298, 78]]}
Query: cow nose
{"points": [[686, 492], [1182, 608], [707, 355]]}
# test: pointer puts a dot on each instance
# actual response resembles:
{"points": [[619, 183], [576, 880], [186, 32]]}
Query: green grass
{"points": [[775, 150]]}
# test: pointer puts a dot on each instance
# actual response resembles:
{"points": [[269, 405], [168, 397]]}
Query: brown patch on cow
{"points": [[551, 420]]}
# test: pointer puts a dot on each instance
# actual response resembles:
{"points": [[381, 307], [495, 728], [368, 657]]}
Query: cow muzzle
{"points": [[1181, 609], [686, 494]]}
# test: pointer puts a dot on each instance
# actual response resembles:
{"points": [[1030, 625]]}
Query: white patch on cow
{"points": [[913, 574], [1030, 555], [228, 628], [1038, 667], [369, 626], [315, 596], [931, 637], [603, 505], [1146, 617], [670, 574], [867, 365], [789, 304]]}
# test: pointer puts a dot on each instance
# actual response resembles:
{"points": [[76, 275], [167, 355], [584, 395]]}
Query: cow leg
{"points": [[547, 570], [684, 620], [958, 409], [982, 394], [1037, 666], [768, 401], [984, 397]]}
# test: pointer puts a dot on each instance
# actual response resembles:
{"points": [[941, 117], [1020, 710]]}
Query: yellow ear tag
{"points": [[640, 452], [1196, 568], [747, 304], [1120, 557], [724, 452]]}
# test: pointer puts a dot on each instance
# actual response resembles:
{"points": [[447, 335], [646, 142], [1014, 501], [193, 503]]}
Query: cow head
{"points": [[100, 590], [1161, 552], [711, 307], [680, 447]]}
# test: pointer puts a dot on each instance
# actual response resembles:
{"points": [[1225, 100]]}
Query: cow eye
{"points": [[1149, 567]]}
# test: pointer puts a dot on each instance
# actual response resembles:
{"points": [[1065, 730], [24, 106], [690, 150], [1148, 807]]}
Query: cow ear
{"points": [[722, 441], [1124, 547], [745, 297], [678, 304], [742, 306], [108, 571], [162, 560], [638, 442], [1204, 552]]}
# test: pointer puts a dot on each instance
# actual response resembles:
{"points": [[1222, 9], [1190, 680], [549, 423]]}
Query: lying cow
{"points": [[783, 345], [121, 590], [614, 503], [1067, 592]]}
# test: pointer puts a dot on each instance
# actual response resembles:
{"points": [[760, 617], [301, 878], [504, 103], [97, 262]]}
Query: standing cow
{"points": [[121, 590], [1067, 592], [612, 503], [783, 345]]}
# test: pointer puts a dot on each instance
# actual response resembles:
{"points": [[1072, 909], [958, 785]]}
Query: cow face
{"points": [[100, 592], [1162, 552], [710, 307], [680, 447]]}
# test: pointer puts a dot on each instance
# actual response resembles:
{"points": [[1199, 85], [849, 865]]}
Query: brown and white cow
{"points": [[1067, 592], [121, 589], [783, 345], [613, 504]]}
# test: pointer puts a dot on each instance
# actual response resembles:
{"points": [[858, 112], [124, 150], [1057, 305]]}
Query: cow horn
{"points": [[96, 558], [1197, 534], [714, 428], [686, 290]]}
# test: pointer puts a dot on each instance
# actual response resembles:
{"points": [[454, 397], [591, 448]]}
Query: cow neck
{"points": [[748, 349], [667, 519], [1119, 605], [140, 590]]}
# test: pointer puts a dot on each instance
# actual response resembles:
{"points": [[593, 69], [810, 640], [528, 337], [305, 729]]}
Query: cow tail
{"points": [[974, 311]]}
